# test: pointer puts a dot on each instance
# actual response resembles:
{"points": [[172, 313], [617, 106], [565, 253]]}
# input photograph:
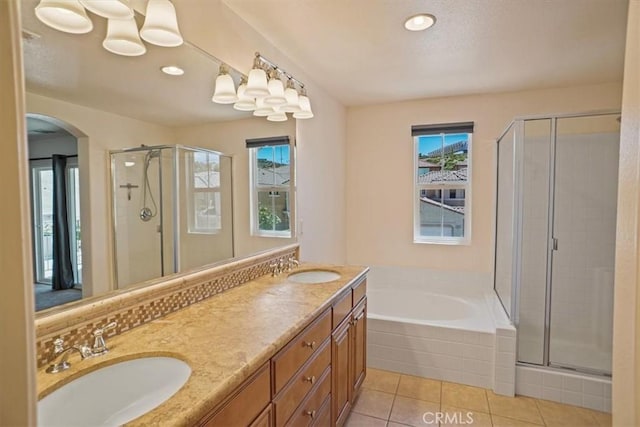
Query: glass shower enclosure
{"points": [[555, 237], [172, 210]]}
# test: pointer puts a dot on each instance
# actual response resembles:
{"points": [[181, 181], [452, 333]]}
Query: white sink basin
{"points": [[314, 276], [114, 395]]}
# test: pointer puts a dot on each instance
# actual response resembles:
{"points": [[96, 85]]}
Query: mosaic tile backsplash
{"points": [[139, 306]]}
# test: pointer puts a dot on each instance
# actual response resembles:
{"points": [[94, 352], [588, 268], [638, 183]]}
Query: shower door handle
{"points": [[554, 243]]}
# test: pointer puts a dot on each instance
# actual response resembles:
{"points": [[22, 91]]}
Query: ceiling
{"points": [[359, 51], [76, 69], [43, 129]]}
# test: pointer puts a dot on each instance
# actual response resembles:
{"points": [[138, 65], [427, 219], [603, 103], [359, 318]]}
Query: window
{"points": [[271, 186], [204, 207], [442, 187]]}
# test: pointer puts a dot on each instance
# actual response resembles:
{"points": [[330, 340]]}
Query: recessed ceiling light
{"points": [[172, 70], [419, 22]]}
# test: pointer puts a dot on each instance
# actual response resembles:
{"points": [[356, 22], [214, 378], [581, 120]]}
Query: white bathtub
{"points": [[451, 328]]}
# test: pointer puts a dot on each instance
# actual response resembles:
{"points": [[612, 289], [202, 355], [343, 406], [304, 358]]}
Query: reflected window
{"points": [[204, 207], [272, 185], [442, 184]]}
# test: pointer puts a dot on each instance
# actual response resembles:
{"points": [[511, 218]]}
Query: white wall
{"points": [[626, 318], [380, 171], [321, 140], [99, 132], [17, 354]]}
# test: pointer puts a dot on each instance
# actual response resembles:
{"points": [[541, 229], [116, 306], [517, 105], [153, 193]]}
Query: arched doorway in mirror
{"points": [[55, 211]]}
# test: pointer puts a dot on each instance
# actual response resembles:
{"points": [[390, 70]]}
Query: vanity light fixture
{"points": [[276, 90], [64, 15], [419, 22], [257, 83], [225, 90], [267, 98], [244, 102], [123, 38], [262, 110], [305, 107], [277, 116], [161, 24], [293, 99], [110, 9], [172, 70]]}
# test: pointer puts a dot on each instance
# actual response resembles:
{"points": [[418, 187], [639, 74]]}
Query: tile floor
{"points": [[389, 399]]}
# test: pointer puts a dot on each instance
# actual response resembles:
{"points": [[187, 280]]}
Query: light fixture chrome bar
{"points": [[278, 69]]}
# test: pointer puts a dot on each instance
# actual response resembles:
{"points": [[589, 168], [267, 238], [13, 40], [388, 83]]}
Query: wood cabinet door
{"points": [[341, 375], [359, 346], [265, 419]]}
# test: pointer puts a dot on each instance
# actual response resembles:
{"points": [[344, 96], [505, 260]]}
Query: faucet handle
{"points": [[58, 345], [99, 331], [99, 345]]}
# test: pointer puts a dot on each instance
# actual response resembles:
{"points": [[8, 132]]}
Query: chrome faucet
{"points": [[99, 345], [292, 263], [59, 351]]}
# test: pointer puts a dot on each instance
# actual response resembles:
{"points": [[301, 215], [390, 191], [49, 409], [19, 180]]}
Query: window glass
{"points": [[442, 186]]}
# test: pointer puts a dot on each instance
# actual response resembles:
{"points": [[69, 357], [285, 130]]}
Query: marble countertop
{"points": [[224, 339]]}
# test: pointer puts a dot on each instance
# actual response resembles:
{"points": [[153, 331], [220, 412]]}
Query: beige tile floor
{"points": [[389, 399]]}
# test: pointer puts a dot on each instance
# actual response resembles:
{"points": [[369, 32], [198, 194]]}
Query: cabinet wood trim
{"points": [[245, 404], [299, 350]]}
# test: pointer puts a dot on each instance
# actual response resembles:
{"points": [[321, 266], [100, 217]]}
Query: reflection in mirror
{"points": [[78, 91], [171, 211]]}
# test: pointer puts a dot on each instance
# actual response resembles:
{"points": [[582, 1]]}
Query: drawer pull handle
{"points": [[311, 414], [309, 344], [311, 379]]}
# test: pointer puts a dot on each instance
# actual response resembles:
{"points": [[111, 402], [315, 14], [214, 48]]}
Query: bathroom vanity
{"points": [[312, 380], [270, 352]]}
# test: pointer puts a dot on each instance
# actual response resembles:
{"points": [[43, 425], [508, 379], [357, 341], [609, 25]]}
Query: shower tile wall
{"points": [[137, 242]]}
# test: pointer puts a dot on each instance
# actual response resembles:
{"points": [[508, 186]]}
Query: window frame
{"points": [[444, 186], [192, 190], [290, 189]]}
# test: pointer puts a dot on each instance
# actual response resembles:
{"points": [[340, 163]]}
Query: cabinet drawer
{"points": [[298, 351], [246, 404], [359, 291], [323, 418], [302, 382], [310, 408], [341, 308]]}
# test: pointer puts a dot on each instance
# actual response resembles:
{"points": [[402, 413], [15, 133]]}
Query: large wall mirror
{"points": [[157, 178]]}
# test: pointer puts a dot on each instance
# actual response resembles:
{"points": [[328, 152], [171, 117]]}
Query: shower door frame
{"points": [[517, 223]]}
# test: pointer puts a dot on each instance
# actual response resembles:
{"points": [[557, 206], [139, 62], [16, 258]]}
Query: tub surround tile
{"points": [[223, 339], [359, 420], [381, 380], [419, 388], [463, 396], [584, 391], [519, 407], [374, 403], [412, 411]]}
